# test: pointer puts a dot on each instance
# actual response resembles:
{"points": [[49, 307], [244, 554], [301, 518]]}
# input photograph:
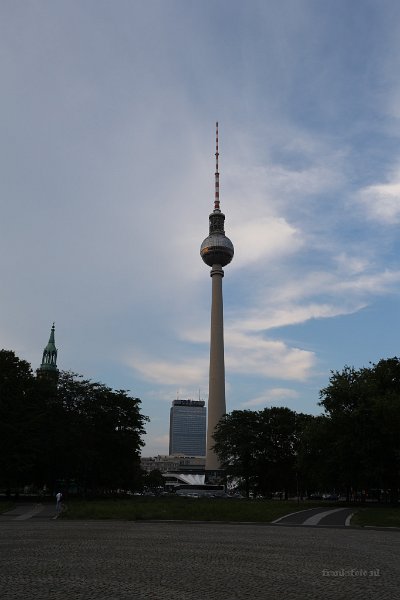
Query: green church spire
{"points": [[48, 368]]}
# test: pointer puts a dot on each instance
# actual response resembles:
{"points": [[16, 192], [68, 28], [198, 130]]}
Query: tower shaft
{"points": [[216, 392]]}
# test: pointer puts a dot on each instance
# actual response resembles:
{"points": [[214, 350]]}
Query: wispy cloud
{"points": [[263, 238], [260, 319], [254, 354], [175, 372], [271, 396], [318, 295], [382, 201]]}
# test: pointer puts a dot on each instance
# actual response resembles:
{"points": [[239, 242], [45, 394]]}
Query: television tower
{"points": [[217, 252]]}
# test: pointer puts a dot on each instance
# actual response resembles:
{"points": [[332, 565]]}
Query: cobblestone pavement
{"points": [[81, 560]]}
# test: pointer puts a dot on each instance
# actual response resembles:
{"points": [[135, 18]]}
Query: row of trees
{"points": [[76, 432], [352, 448], [85, 433]]}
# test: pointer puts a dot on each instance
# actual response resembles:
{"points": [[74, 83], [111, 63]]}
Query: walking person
{"points": [[58, 502]]}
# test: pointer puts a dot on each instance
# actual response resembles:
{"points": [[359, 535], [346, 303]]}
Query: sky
{"points": [[107, 145]]}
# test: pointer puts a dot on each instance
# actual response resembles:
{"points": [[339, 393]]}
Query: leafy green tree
{"points": [[21, 420], [236, 446], [276, 450], [363, 411], [154, 481], [317, 462], [71, 430], [260, 448], [101, 437]]}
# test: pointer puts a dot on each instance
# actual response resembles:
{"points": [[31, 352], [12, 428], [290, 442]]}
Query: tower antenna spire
{"points": [[216, 200]]}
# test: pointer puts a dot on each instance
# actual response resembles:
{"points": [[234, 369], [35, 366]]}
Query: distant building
{"points": [[187, 428], [173, 464], [193, 485]]}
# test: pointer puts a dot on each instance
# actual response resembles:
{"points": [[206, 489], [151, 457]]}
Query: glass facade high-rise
{"points": [[187, 428]]}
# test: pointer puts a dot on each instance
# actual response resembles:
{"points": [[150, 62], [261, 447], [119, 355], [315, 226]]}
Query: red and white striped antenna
{"points": [[216, 200]]}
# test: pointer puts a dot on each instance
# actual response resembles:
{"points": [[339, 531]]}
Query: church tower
{"points": [[48, 369]]}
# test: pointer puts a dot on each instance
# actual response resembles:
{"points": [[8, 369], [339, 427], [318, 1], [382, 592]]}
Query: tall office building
{"points": [[187, 428], [217, 252]]}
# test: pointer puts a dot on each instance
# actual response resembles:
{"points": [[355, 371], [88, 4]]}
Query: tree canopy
{"points": [[353, 448], [20, 418], [259, 448], [76, 431], [363, 411]]}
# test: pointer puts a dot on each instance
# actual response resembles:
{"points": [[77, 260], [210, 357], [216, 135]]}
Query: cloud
{"points": [[350, 263], [177, 372], [156, 442], [245, 353], [161, 440], [370, 284], [272, 396], [287, 184], [318, 295], [264, 238], [263, 319], [254, 355], [349, 288], [382, 201], [360, 285]]}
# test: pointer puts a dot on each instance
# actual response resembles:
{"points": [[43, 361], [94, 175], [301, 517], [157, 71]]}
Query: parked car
{"points": [[331, 497], [314, 497]]}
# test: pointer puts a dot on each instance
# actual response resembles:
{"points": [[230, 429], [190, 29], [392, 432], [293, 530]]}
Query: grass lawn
{"points": [[190, 509], [6, 506], [380, 516]]}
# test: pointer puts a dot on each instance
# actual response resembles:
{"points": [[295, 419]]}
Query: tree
{"points": [[260, 448], [363, 412], [154, 481], [276, 450], [316, 461], [235, 445], [101, 437], [74, 430], [21, 419]]}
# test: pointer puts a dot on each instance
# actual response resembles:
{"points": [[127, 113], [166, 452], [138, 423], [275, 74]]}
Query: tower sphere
{"points": [[217, 249]]}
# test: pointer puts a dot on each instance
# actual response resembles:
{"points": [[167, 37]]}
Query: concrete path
{"points": [[323, 517], [318, 517], [24, 512]]}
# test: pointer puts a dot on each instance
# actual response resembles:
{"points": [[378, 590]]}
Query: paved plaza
{"points": [[45, 559]]}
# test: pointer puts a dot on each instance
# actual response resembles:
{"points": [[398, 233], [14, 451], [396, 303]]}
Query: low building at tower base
{"points": [[174, 464]]}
